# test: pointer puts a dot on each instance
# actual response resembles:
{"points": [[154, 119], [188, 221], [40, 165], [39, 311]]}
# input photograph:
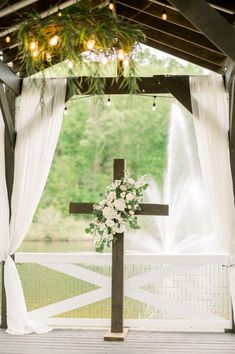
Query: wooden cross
{"points": [[117, 330]]}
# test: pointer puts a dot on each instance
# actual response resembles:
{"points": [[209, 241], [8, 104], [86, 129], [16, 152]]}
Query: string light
{"points": [[104, 60], [164, 14], [54, 41], [154, 104], [48, 56], [90, 44], [126, 62], [109, 102], [7, 39], [111, 5], [121, 54], [59, 13], [33, 45], [35, 53], [65, 110]]}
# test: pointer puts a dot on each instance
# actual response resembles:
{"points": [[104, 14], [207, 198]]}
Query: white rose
{"points": [[109, 213], [131, 212], [129, 206], [112, 195], [123, 187], [122, 195], [109, 222], [129, 196], [119, 204], [130, 180]]}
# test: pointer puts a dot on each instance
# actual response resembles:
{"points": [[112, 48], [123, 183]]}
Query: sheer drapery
{"points": [[210, 110], [38, 127]]}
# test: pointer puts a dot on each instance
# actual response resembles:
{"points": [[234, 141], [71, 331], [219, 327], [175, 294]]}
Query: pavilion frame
{"points": [[177, 85]]}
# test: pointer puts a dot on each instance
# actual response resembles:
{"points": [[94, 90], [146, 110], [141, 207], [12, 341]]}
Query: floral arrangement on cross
{"points": [[121, 201]]}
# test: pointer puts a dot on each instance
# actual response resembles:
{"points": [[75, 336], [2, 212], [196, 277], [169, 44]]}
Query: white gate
{"points": [[180, 292]]}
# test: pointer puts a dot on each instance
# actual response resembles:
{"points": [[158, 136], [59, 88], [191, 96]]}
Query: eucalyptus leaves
{"points": [[121, 201], [84, 37]]}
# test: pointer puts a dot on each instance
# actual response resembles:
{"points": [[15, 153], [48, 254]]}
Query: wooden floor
{"points": [[137, 342]]}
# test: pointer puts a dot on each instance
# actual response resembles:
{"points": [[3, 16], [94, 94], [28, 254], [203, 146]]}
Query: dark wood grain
{"points": [[117, 265], [211, 24]]}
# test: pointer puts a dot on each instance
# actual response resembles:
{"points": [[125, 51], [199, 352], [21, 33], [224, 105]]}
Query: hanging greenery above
{"points": [[86, 38]]}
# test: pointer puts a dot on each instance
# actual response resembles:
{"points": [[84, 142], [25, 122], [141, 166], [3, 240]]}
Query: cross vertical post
{"points": [[117, 265]]}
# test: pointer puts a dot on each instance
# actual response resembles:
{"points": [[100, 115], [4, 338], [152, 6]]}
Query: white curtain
{"points": [[38, 127], [210, 110]]}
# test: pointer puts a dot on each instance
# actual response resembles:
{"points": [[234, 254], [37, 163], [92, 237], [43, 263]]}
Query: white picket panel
{"points": [[187, 316]]}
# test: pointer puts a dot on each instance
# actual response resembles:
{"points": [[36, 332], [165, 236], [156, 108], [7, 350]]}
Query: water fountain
{"points": [[188, 227]]}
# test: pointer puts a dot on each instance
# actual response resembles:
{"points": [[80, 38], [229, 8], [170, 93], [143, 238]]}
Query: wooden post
{"points": [[117, 265], [9, 172]]}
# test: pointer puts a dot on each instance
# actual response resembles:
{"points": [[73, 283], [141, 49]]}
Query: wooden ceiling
{"points": [[198, 31]]}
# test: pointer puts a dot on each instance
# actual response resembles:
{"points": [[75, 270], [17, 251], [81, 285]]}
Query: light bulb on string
{"points": [[7, 38], [54, 41], [109, 102], [59, 13], [121, 54], [104, 60], [126, 62], [90, 44], [33, 45], [154, 104], [48, 56], [35, 53], [164, 15], [111, 5]]}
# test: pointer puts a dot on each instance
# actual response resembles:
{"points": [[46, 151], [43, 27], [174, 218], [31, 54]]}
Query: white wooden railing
{"points": [[180, 291]]}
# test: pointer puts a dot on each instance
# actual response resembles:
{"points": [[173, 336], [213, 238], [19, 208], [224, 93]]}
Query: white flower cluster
{"points": [[122, 199]]}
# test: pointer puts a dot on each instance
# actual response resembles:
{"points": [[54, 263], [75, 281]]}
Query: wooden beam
{"points": [[7, 117], [112, 87], [179, 87], [212, 24], [232, 130], [9, 78], [155, 10], [185, 56], [165, 27], [229, 75], [9, 174], [87, 208], [184, 46]]}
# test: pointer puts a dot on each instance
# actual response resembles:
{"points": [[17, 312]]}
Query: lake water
{"points": [[56, 246]]}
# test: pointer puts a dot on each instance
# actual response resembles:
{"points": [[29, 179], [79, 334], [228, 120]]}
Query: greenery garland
{"points": [[86, 37]]}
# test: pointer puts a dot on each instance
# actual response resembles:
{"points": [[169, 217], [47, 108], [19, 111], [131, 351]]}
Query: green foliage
{"points": [[85, 37]]}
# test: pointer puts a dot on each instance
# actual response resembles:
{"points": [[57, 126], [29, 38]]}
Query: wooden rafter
{"points": [[165, 27], [212, 24], [185, 56], [185, 47]]}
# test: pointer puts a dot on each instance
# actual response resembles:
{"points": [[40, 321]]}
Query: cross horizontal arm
{"points": [[81, 208], [146, 209], [153, 209]]}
